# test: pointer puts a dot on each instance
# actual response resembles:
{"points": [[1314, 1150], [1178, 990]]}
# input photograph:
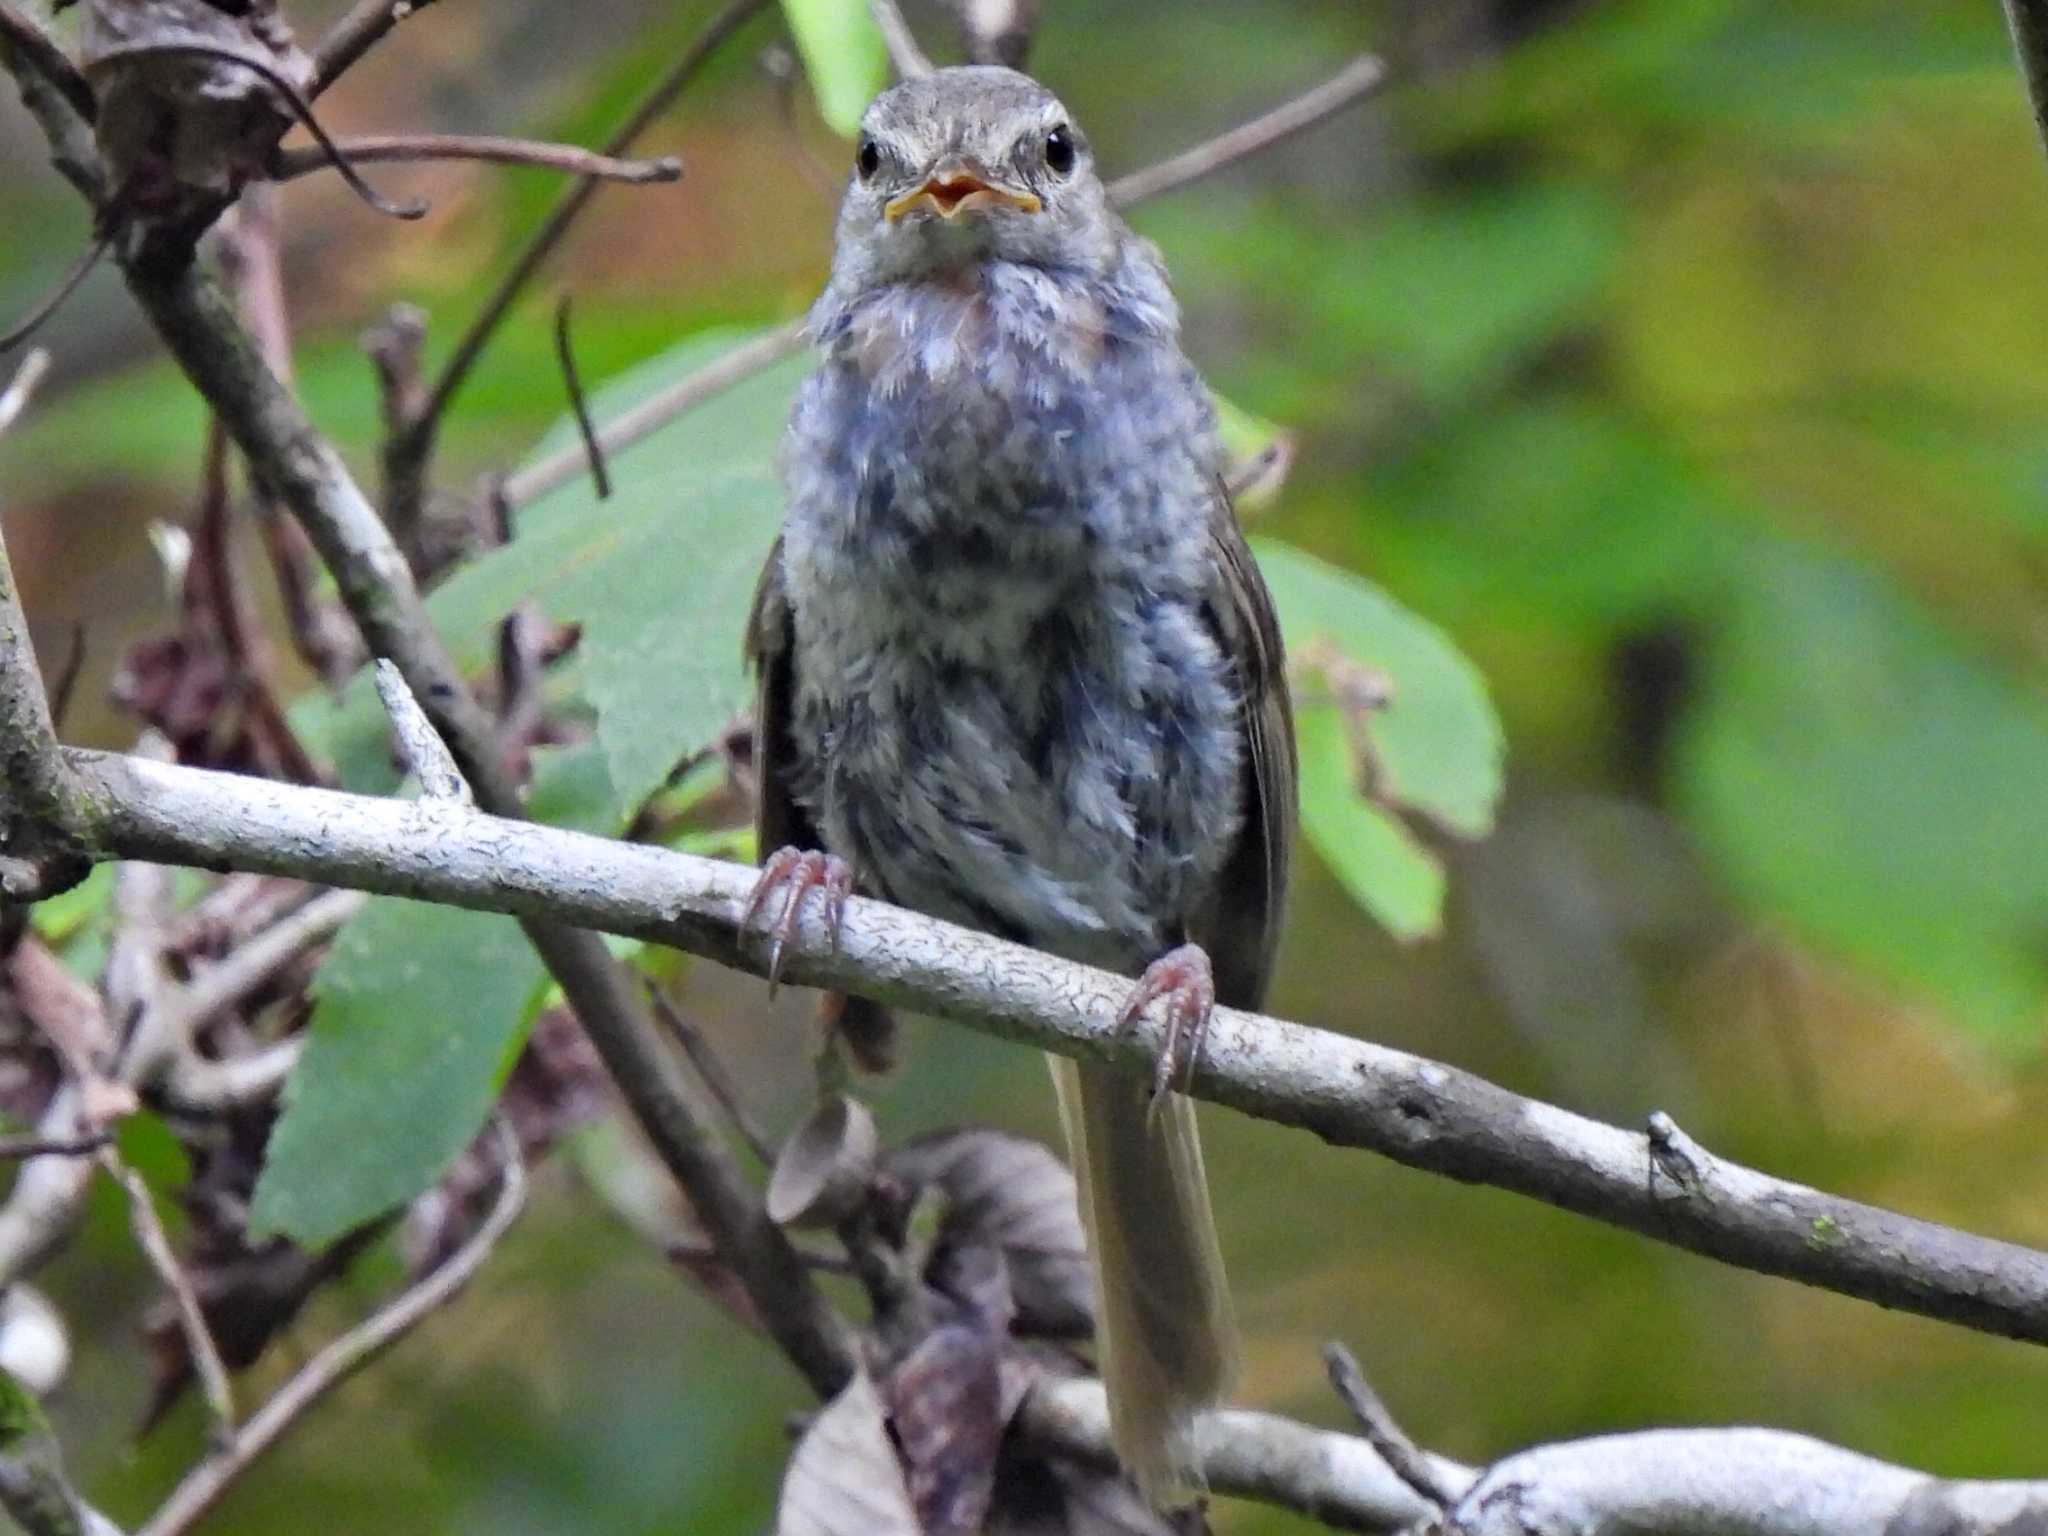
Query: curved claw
{"points": [[1182, 976], [798, 871]]}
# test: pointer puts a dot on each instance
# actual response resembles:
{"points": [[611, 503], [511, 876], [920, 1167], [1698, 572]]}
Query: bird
{"points": [[1017, 668]]}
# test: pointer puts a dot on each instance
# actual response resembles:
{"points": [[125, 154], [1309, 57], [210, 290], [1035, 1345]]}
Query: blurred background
{"points": [[1686, 361]]}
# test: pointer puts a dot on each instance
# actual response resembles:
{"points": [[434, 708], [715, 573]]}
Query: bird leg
{"points": [[1182, 976], [798, 872]]}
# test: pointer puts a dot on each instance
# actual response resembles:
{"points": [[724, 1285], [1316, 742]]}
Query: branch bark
{"points": [[1349, 1092]]}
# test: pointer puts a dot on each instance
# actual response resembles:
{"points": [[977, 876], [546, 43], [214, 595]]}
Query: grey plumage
{"points": [[1018, 668]]}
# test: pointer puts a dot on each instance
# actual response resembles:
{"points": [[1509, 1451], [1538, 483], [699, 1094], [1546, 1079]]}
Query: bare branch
{"points": [[419, 441], [425, 752], [1353, 83], [909, 59], [51, 302], [1347, 1091], [629, 426], [156, 1247], [44, 77], [204, 1484], [288, 92], [41, 810], [303, 470], [2027, 21], [765, 351], [355, 35], [41, 52], [369, 149], [593, 450], [13, 1148], [1403, 1457], [1337, 1479], [709, 1067], [1708, 1482]]}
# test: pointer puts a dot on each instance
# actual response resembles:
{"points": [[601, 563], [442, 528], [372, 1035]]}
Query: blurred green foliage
{"points": [[1682, 361]]}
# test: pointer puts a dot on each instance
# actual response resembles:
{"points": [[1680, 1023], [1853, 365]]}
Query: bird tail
{"points": [[1163, 1327]]}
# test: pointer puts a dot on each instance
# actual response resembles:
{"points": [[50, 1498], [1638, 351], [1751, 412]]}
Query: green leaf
{"points": [[1858, 772], [420, 1012], [660, 577], [1372, 855], [844, 55], [1434, 749]]}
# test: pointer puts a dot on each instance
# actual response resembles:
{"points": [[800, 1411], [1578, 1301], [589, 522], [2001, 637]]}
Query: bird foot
{"points": [[1182, 976], [798, 872]]}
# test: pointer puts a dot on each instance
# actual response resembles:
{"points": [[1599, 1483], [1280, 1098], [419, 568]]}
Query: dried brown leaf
{"points": [[1015, 1196], [844, 1478]]}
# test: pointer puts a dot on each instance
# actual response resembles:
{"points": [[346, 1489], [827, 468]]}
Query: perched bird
{"points": [[1017, 667]]}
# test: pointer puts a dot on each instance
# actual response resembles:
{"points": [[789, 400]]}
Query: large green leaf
{"points": [[1861, 774], [843, 54], [419, 1012], [1433, 750]]}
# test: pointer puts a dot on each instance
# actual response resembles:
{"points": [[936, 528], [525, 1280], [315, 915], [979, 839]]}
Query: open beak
{"points": [[954, 188]]}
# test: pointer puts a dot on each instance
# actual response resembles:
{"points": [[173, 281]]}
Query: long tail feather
{"points": [[1164, 1332]]}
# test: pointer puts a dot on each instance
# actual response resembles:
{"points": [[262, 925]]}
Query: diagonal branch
{"points": [[205, 1483], [1353, 83], [1347, 1091], [415, 446], [302, 470]]}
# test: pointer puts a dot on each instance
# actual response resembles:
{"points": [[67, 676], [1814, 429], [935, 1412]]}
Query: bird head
{"points": [[969, 164]]}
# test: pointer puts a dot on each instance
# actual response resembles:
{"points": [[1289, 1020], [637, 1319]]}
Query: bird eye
{"points": [[868, 158], [1059, 150]]}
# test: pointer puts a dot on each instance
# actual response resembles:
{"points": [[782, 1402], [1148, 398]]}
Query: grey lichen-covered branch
{"points": [[1349, 1092]]}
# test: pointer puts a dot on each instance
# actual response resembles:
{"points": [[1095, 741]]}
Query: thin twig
{"points": [[156, 1246], [320, 633], [419, 440], [1354, 82], [684, 1251], [631, 425], [1407, 1459], [355, 34], [14, 1148], [301, 109], [909, 59], [47, 91], [53, 301], [286, 164], [49, 60], [565, 355], [203, 1486], [709, 1067], [425, 752], [309, 477], [254, 962]]}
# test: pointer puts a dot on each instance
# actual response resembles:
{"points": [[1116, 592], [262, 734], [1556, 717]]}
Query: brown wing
{"points": [[868, 1028], [1240, 927], [779, 822]]}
